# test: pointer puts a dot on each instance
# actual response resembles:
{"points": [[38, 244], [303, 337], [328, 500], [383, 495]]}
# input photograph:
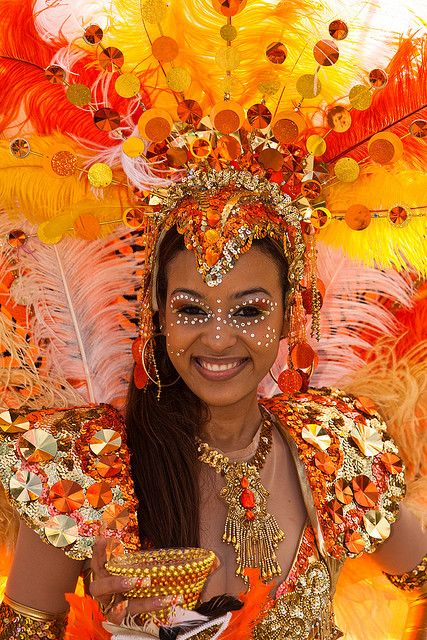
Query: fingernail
{"points": [[170, 600], [136, 583]]}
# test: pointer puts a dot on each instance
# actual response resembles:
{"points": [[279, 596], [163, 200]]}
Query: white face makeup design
{"points": [[247, 317]]}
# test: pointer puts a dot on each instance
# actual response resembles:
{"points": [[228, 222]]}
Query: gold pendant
{"points": [[253, 532]]}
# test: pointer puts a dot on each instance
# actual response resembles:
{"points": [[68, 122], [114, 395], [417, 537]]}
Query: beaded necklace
{"points": [[253, 532]]}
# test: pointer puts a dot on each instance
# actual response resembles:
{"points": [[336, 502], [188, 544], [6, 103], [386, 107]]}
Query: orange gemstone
{"points": [[17, 238], [343, 491], [108, 466], [211, 256], [190, 112], [111, 59], [212, 217], [398, 215], [244, 482], [55, 74], [259, 116], [165, 49], [247, 499], [93, 34], [354, 542], [116, 517], [271, 159], [228, 8], [324, 462], [326, 52], [200, 148], [250, 515], [20, 148], [229, 148], [106, 119], [365, 492], [140, 377], [99, 494], [378, 78], [66, 496], [338, 29], [336, 511], [276, 52], [392, 462]]}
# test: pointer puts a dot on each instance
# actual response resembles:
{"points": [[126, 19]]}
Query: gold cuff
{"points": [[411, 580], [25, 623]]}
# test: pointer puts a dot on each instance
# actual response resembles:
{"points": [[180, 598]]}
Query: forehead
{"points": [[254, 269]]}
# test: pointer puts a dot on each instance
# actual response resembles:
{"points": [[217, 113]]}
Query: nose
{"points": [[218, 335]]}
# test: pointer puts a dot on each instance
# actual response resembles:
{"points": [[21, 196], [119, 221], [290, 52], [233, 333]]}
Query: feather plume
{"points": [[76, 291], [382, 243], [352, 316], [85, 619]]}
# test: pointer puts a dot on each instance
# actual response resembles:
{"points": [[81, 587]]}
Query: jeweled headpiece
{"points": [[219, 214]]}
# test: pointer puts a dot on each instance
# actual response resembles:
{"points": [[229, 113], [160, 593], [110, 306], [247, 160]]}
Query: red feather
{"points": [[28, 97], [85, 619], [393, 108]]}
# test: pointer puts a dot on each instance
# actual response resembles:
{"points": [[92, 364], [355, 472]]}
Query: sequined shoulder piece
{"points": [[67, 474], [352, 465]]}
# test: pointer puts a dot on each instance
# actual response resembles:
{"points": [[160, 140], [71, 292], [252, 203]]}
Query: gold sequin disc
{"points": [[287, 126], [37, 445], [308, 85], [377, 526], [11, 422], [326, 52], [316, 145], [165, 49], [276, 52], [111, 59], [25, 486], [360, 97], [190, 112], [178, 79], [127, 85], [79, 94], [105, 441], [61, 531], [155, 124], [320, 217], [346, 170], [100, 175], [378, 78], [317, 436], [227, 116]]}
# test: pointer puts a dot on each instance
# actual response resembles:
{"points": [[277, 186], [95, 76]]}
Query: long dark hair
{"points": [[162, 434]]}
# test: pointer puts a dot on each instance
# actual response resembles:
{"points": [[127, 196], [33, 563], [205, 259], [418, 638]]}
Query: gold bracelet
{"points": [[26, 623], [411, 580]]}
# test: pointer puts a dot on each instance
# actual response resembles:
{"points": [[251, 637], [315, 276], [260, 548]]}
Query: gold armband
{"points": [[26, 623], [411, 580]]}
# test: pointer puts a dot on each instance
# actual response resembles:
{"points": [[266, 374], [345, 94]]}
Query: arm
{"points": [[34, 602], [406, 545]]}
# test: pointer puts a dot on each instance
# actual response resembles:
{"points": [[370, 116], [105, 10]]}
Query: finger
{"points": [[107, 586], [140, 605], [99, 556]]}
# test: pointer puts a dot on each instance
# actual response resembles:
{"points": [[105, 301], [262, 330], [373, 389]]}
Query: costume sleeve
{"points": [[67, 474], [352, 467]]}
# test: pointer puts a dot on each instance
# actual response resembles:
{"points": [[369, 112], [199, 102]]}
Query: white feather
{"points": [[75, 289], [351, 317]]}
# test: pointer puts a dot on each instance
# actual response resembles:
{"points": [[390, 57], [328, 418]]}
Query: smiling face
{"points": [[223, 340]]}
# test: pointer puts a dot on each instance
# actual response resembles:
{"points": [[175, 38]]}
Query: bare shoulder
{"points": [[41, 574]]}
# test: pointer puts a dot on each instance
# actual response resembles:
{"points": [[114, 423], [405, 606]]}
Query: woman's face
{"points": [[222, 340]]}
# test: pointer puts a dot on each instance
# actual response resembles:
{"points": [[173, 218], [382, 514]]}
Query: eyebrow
{"points": [[238, 294]]}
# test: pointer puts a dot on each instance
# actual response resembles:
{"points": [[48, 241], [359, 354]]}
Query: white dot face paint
{"points": [[192, 311]]}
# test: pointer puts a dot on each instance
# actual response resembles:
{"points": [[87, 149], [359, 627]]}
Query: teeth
{"points": [[219, 367]]}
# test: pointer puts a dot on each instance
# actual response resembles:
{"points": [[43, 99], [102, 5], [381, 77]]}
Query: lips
{"points": [[219, 368]]}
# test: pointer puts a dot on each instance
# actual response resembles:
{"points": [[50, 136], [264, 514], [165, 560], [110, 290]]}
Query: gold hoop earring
{"points": [[156, 380]]}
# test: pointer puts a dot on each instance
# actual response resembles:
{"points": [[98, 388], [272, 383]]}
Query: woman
{"points": [[314, 473]]}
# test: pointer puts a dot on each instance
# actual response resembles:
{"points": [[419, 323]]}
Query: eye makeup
{"points": [[245, 316]]}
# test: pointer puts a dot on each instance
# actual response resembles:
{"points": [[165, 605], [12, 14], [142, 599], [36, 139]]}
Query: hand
{"points": [[108, 590]]}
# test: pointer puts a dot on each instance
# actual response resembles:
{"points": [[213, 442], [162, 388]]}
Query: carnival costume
{"points": [[157, 149]]}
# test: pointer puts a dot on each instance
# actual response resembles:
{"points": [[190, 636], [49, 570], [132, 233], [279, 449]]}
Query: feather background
{"points": [[80, 317], [352, 316]]}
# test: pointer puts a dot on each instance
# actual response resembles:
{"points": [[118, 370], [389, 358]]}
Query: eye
{"points": [[250, 311], [191, 310]]}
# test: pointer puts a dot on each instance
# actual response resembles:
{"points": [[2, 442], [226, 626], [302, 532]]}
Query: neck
{"points": [[234, 426]]}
